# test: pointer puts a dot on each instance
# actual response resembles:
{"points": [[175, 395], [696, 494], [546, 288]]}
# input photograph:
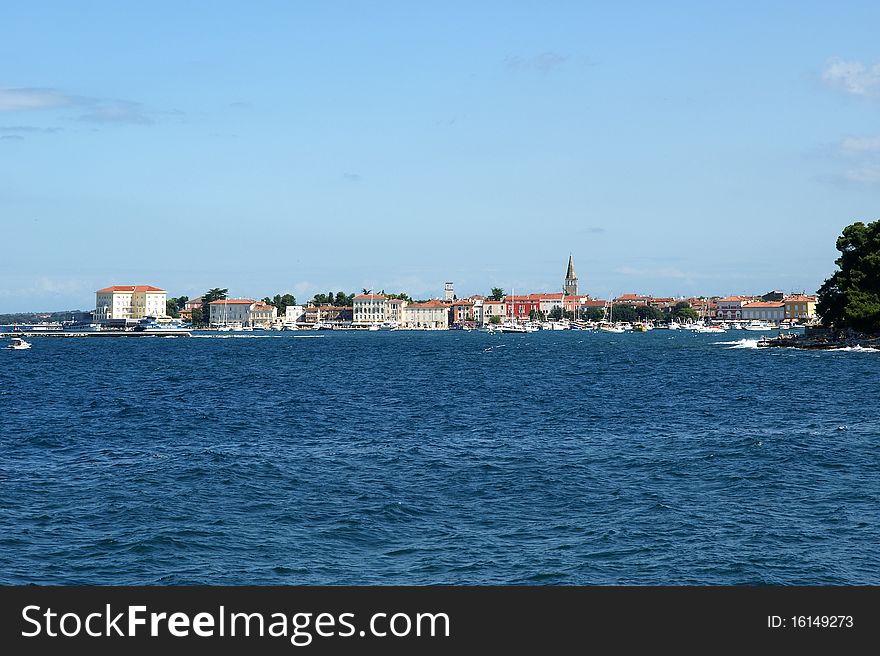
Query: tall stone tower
{"points": [[448, 292], [570, 287]]}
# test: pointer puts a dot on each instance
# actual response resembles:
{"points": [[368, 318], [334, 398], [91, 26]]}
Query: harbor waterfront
{"points": [[361, 457]]}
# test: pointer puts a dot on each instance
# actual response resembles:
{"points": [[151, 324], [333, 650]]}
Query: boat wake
{"points": [[242, 336], [856, 349], [740, 344]]}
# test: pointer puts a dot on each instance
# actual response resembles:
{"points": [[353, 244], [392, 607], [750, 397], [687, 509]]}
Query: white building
{"points": [[129, 302], [432, 315], [293, 313], [448, 292], [370, 309], [233, 310]]}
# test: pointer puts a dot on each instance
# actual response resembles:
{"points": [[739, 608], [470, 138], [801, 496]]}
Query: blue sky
{"points": [[672, 148]]}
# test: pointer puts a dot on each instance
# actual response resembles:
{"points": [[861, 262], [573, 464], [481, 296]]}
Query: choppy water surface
{"points": [[404, 458]]}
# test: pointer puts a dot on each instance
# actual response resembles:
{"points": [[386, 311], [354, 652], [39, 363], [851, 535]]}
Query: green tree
{"points": [[682, 312], [182, 301], [850, 298], [401, 295], [497, 294], [495, 319], [197, 317], [171, 308], [215, 294], [648, 313], [593, 313], [341, 299], [625, 312], [536, 315]]}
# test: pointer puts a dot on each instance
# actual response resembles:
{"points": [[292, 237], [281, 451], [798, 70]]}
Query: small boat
{"points": [[374, 327], [757, 325], [18, 344], [710, 329], [511, 327]]}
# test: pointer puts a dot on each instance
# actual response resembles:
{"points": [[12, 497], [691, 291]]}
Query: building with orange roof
{"points": [[129, 302], [230, 311], [729, 308], [428, 315], [764, 311], [800, 307]]}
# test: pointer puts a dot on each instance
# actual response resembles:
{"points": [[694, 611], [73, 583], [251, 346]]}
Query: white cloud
{"points": [[869, 174], [543, 62], [853, 77], [13, 100], [95, 110], [117, 112], [861, 144]]}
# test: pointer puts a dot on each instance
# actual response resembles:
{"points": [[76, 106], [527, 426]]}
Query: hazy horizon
{"points": [[674, 150]]}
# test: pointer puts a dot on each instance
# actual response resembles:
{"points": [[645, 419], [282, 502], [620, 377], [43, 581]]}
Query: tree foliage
{"points": [[339, 299], [215, 294], [850, 298], [682, 312], [497, 294], [558, 313], [495, 319], [593, 313], [401, 295], [281, 301]]}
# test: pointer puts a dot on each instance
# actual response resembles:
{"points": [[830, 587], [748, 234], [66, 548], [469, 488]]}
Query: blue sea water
{"points": [[423, 458]]}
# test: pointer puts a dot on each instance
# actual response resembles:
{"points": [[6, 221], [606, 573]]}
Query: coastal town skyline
{"points": [[344, 146], [571, 285]]}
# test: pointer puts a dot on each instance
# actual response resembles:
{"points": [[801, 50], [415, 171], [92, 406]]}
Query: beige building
{"points": [[763, 310], [129, 302], [492, 308], [431, 315], [800, 307], [262, 315]]}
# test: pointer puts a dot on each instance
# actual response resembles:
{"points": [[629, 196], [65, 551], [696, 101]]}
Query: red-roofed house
{"points": [[800, 307], [129, 302], [633, 299], [730, 307], [521, 307]]}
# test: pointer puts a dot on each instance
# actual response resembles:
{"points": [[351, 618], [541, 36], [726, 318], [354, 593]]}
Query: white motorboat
{"points": [[710, 329], [18, 344], [511, 327], [757, 325], [374, 327]]}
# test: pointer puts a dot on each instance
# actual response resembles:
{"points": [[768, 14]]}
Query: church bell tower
{"points": [[570, 287]]}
